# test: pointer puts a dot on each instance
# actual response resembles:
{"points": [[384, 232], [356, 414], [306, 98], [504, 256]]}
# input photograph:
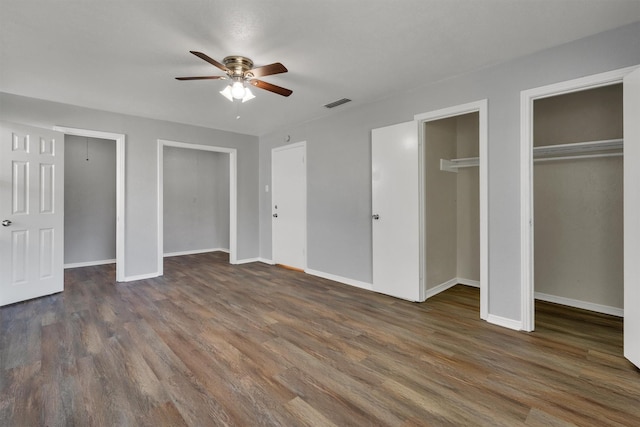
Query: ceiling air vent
{"points": [[337, 103]]}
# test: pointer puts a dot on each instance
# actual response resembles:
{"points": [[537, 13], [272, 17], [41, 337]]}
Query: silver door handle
{"points": [[375, 216], [275, 215], [6, 223]]}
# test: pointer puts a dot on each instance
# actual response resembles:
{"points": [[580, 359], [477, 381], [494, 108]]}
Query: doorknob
{"points": [[6, 223], [375, 216], [275, 215]]}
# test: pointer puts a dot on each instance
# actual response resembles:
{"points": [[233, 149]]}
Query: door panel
{"points": [[394, 168], [289, 205], [32, 201], [632, 217]]}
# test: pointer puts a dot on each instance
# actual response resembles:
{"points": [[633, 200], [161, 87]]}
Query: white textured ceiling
{"points": [[123, 56]]}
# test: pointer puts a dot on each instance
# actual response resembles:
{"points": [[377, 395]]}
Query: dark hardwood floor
{"points": [[212, 344]]}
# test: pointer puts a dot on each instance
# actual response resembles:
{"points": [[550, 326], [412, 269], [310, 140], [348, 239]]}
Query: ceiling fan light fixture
{"points": [[226, 92], [233, 92], [238, 90], [248, 96]]}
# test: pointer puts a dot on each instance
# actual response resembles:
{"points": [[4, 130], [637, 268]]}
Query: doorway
{"points": [[119, 140], [89, 201], [532, 150], [578, 199], [229, 157], [454, 200]]}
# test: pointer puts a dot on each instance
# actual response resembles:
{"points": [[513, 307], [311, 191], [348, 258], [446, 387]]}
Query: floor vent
{"points": [[337, 103]]}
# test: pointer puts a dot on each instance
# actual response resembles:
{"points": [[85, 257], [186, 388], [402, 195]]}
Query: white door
{"points": [[31, 211], [289, 205], [395, 216], [632, 217]]}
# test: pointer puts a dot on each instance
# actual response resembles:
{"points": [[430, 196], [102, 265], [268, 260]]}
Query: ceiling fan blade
{"points": [[267, 70], [209, 60], [201, 78], [271, 87]]}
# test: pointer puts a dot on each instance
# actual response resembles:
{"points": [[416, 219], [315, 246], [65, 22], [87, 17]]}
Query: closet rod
{"points": [[579, 147], [583, 156], [454, 164]]}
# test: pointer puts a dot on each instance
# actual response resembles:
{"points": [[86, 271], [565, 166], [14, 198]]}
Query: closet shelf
{"points": [[454, 164], [546, 153]]}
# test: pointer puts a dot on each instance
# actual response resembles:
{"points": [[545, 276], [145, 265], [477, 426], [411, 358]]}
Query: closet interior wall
{"points": [[89, 201], [452, 203], [578, 203], [196, 201]]}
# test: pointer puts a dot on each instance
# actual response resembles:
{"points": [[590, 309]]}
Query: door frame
{"points": [[527, 97], [119, 139], [481, 107], [302, 144], [233, 195]]}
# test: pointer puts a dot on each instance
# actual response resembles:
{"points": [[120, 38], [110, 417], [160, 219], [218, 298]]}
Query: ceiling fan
{"points": [[240, 71]]}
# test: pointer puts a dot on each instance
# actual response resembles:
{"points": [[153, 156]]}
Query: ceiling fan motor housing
{"points": [[237, 65]]}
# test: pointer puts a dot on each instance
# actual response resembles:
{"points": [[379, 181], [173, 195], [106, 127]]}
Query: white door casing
{"points": [[32, 199], [289, 205], [119, 140], [481, 107], [631, 84], [233, 196], [395, 210], [527, 98]]}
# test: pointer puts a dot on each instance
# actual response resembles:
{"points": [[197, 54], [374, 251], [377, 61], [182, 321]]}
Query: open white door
{"points": [[396, 228], [289, 205], [632, 217], [31, 211]]}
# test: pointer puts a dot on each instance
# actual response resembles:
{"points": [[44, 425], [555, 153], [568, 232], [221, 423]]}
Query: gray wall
{"points": [[196, 200], [89, 199], [141, 249], [339, 158], [578, 204]]}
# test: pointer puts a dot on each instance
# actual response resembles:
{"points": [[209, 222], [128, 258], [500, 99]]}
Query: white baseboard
{"points": [[247, 260], [141, 277], [585, 305], [468, 282], [90, 263], [516, 325], [451, 283], [193, 252], [340, 279], [266, 261], [441, 287]]}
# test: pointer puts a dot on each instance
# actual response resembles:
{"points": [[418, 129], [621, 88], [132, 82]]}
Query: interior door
{"points": [[395, 216], [632, 217], [289, 205], [31, 211]]}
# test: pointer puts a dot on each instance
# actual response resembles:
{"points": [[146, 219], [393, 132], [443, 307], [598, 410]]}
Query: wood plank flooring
{"points": [[212, 344]]}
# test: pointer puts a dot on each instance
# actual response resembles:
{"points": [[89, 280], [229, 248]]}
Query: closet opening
{"points": [[196, 200], [454, 200], [92, 236], [578, 199], [452, 203], [89, 201]]}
